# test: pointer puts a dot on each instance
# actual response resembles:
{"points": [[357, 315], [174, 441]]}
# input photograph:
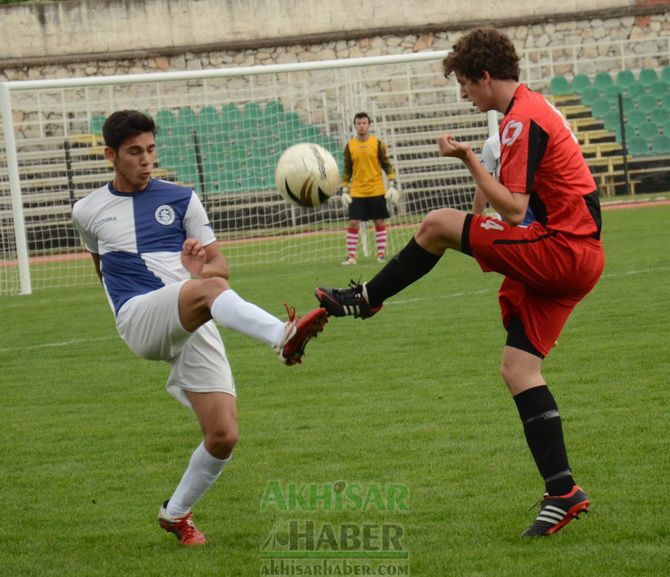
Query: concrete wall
{"points": [[53, 29]]}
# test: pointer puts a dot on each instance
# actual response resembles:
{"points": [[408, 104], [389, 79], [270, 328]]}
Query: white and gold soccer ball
{"points": [[307, 175]]}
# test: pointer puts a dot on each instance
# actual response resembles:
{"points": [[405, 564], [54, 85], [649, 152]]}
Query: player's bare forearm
{"points": [[478, 202], [96, 263]]}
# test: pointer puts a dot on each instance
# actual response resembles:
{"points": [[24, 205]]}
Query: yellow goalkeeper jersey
{"points": [[363, 162]]}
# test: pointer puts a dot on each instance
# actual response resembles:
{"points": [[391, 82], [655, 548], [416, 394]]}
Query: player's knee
{"points": [[438, 229], [222, 440]]}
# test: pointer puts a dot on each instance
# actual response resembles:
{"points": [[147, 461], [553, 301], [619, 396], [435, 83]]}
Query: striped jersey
{"points": [[363, 162], [139, 236]]}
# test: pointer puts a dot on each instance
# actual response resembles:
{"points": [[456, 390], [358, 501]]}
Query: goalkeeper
{"points": [[363, 191]]}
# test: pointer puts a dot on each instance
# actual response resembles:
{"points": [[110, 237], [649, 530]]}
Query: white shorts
{"points": [[150, 326]]}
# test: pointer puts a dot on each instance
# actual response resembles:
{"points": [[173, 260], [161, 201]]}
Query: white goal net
{"points": [[221, 132]]}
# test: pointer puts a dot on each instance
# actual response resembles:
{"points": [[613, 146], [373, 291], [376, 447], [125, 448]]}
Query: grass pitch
{"points": [[92, 444]]}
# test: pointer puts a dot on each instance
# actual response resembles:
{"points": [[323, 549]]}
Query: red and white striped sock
{"points": [[380, 239], [352, 242]]}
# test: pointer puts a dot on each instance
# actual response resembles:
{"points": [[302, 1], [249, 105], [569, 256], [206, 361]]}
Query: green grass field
{"points": [[92, 444]]}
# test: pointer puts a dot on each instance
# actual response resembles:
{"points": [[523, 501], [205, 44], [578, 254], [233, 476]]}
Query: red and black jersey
{"points": [[541, 156]]}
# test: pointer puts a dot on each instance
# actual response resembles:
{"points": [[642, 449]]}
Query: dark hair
{"points": [[362, 115], [483, 49], [125, 124]]}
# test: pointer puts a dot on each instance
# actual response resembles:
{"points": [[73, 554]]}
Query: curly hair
{"points": [[483, 49]]}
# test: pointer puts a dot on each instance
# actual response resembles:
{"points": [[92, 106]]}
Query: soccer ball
{"points": [[307, 175]]}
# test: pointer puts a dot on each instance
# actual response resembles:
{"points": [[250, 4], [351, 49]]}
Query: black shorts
{"points": [[368, 208]]}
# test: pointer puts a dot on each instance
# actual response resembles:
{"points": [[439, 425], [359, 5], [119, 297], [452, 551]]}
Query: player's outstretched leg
{"points": [[186, 532], [298, 332], [343, 302], [557, 511]]}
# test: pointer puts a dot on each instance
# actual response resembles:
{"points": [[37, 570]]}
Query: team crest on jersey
{"points": [[164, 214], [512, 132]]}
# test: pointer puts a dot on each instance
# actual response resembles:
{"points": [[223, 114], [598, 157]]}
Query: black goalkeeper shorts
{"points": [[368, 208]]}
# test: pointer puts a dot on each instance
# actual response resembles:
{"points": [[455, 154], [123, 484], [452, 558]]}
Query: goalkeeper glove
{"points": [[392, 193], [345, 198]]}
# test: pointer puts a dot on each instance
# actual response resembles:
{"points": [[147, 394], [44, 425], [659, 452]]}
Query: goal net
{"points": [[222, 132]]}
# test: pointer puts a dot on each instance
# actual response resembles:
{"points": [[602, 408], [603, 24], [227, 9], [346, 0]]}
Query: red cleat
{"points": [[298, 332], [187, 533]]}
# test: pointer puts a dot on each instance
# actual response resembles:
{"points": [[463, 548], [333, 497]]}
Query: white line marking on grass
{"points": [[56, 344]]}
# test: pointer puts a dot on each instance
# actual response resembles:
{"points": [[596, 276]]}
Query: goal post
{"points": [[221, 132]]}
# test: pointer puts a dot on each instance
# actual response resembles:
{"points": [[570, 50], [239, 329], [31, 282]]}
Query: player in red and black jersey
{"points": [[548, 267]]}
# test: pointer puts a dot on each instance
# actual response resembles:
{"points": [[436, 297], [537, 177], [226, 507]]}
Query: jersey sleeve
{"points": [[384, 161], [196, 222], [346, 166], [88, 238], [522, 146]]}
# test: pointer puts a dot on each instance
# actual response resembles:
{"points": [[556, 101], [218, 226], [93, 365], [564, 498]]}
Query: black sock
{"points": [[544, 435], [409, 265]]}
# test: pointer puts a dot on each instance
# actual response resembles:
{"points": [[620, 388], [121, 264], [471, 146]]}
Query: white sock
{"points": [[202, 471], [233, 312]]}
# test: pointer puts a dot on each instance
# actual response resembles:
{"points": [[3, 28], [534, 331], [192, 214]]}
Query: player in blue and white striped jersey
{"points": [[166, 282]]}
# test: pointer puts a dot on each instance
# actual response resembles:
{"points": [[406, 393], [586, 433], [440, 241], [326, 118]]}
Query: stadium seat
{"points": [[635, 90], [647, 76], [600, 107], [659, 116], [186, 117], [274, 108], [635, 118], [665, 74], [625, 78], [97, 120], [589, 95], [580, 82], [612, 92], [666, 127], [612, 120], [559, 86], [660, 144], [637, 146], [659, 88], [646, 103], [602, 80], [648, 130], [164, 119]]}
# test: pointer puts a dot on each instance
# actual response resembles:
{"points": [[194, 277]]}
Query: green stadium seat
{"points": [[612, 120], [635, 118], [637, 146], [95, 125], [635, 90], [186, 117], [625, 78], [559, 86], [589, 95], [612, 92], [602, 80], [660, 144], [647, 76], [292, 120], [648, 130], [659, 88], [274, 108], [665, 74], [164, 119], [580, 82], [666, 127], [659, 116], [646, 103], [600, 107]]}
